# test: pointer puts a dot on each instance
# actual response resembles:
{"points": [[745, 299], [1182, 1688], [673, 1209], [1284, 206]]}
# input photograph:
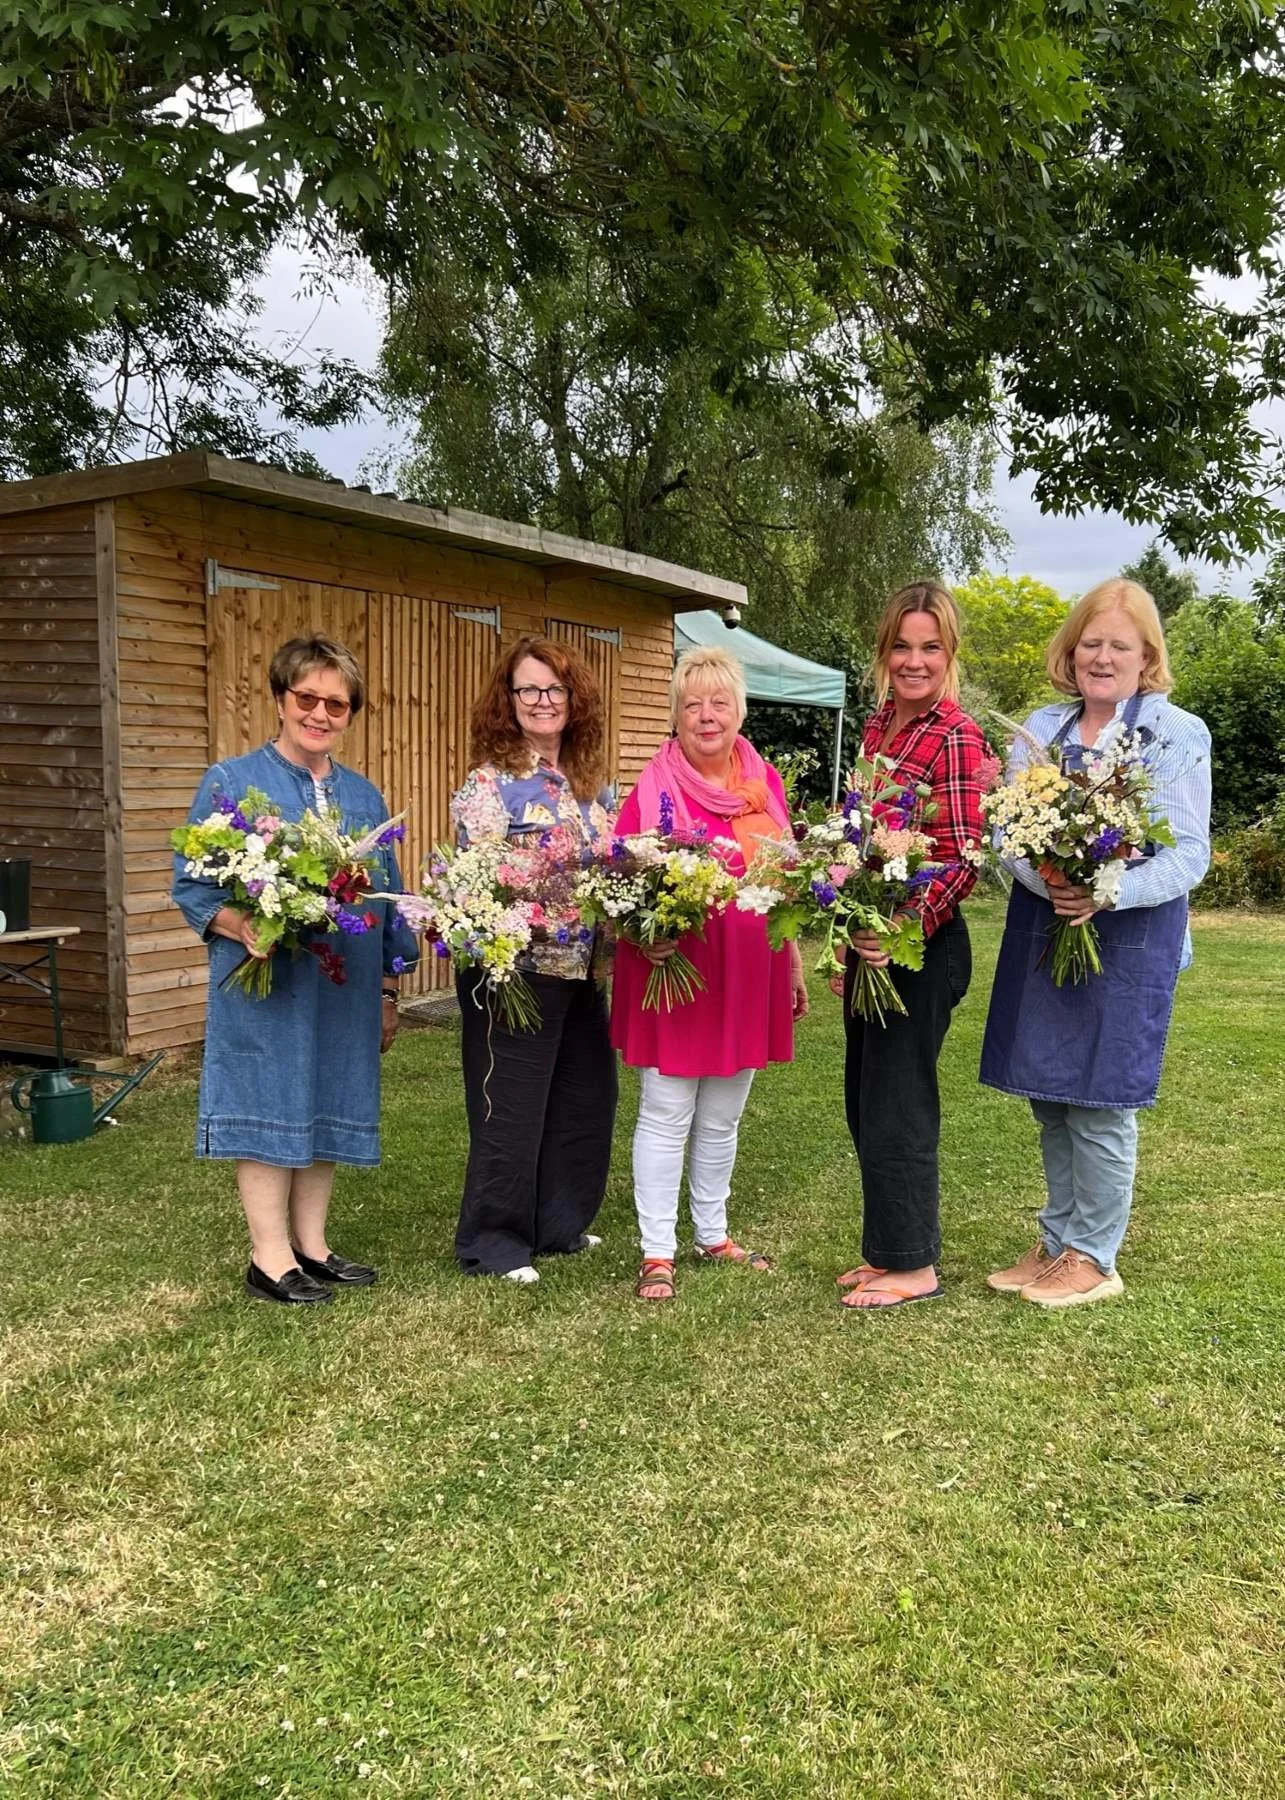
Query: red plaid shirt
{"points": [[944, 749]]}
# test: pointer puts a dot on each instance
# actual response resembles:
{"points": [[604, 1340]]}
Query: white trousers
{"points": [[702, 1115]]}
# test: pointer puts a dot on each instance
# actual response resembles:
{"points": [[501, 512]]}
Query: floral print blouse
{"points": [[503, 803]]}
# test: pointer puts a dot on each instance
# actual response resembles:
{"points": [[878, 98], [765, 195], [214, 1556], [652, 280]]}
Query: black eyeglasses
{"points": [[532, 696], [307, 703]]}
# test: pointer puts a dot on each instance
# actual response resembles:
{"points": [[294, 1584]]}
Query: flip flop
{"points": [[855, 1278], [855, 1299]]}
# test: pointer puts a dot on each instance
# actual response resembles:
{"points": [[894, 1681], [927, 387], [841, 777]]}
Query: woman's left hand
{"points": [[1073, 903], [388, 1023], [798, 984]]}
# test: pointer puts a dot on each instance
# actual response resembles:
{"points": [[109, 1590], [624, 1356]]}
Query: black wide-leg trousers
{"points": [[893, 1107], [541, 1107]]}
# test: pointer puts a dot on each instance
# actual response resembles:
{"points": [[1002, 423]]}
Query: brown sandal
{"points": [[656, 1272], [730, 1251]]}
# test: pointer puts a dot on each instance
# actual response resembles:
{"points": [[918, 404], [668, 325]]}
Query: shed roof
{"points": [[265, 486]]}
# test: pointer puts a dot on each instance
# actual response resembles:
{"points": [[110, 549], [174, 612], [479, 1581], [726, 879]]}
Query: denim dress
{"points": [[293, 1079]]}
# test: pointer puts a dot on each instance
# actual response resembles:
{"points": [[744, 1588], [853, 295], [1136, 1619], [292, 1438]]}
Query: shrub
{"points": [[1248, 865], [1229, 668]]}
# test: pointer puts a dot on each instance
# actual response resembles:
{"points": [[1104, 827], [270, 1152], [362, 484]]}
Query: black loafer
{"points": [[294, 1288], [338, 1270]]}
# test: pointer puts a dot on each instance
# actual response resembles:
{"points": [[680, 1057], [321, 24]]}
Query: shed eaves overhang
{"points": [[689, 589]]}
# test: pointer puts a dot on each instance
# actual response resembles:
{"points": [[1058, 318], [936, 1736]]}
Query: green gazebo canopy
{"points": [[770, 673]]}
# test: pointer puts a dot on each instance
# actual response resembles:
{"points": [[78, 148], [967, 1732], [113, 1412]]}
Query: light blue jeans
{"points": [[1090, 1154]]}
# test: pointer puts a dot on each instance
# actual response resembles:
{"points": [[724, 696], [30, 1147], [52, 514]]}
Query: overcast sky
{"points": [[1071, 554]]}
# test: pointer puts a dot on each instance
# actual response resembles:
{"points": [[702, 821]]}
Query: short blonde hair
{"points": [[918, 596], [705, 669], [1116, 595]]}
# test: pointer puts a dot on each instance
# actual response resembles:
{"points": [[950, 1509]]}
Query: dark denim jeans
{"points": [[894, 1113], [541, 1108]]}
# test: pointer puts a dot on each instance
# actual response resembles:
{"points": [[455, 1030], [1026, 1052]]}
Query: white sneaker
{"points": [[526, 1275], [590, 1241]]}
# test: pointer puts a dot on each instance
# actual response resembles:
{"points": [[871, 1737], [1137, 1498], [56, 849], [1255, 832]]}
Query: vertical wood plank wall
{"points": [[193, 679], [51, 762]]}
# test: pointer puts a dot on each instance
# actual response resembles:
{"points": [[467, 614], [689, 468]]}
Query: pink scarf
{"points": [[669, 772]]}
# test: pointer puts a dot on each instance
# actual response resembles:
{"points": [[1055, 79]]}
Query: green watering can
{"points": [[62, 1110]]}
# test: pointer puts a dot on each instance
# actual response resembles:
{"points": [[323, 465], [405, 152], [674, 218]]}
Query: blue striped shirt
{"points": [[1178, 757]]}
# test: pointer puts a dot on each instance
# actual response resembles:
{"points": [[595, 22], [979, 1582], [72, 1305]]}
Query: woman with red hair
{"points": [[541, 1104]]}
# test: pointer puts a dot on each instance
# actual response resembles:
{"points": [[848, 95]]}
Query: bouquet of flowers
{"points": [[853, 870], [485, 905], [1078, 825], [654, 888], [299, 882]]}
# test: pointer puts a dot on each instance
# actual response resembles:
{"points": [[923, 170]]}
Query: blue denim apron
{"points": [[1098, 1044]]}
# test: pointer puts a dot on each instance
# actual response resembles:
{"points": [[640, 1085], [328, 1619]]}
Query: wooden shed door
{"points": [[600, 648], [425, 663]]}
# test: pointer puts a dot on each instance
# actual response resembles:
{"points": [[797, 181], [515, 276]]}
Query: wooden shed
{"points": [[139, 608]]}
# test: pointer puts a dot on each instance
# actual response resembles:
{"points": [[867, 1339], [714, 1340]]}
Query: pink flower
{"points": [[839, 873]]}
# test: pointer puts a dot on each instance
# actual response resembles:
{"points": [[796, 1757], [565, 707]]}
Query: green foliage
{"points": [[1248, 865], [798, 769], [1005, 209], [1170, 588], [1229, 668], [1007, 623]]}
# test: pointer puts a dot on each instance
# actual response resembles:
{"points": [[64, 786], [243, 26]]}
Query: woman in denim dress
{"points": [[1087, 1056], [290, 1083], [541, 1104]]}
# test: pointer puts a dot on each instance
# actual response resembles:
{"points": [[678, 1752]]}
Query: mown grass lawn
{"points": [[460, 1538]]}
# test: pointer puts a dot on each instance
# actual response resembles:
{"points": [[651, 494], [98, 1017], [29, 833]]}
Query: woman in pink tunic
{"points": [[698, 1060]]}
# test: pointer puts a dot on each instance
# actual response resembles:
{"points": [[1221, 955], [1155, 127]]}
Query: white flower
{"points": [[895, 869], [1107, 882], [757, 899]]}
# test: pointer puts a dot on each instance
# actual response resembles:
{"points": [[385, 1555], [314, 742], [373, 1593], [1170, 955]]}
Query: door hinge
{"points": [[217, 578]]}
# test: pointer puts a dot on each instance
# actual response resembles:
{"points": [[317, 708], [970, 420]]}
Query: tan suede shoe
{"points": [[1072, 1279], [1023, 1272]]}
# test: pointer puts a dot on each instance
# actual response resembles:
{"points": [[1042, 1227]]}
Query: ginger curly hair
{"points": [[494, 733]]}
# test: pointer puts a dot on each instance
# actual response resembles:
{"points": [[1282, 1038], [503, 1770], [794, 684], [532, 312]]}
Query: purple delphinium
{"points": [[585, 935], [392, 834], [920, 878], [1106, 843], [440, 949], [562, 935], [666, 813], [825, 892], [619, 849], [254, 889], [352, 924], [851, 802], [398, 965]]}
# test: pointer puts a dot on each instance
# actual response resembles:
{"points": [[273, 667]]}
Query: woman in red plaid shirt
{"points": [[890, 1077]]}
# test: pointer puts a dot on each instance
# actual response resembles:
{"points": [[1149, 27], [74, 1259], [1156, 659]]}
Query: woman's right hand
{"points": [[661, 952], [231, 922], [869, 947]]}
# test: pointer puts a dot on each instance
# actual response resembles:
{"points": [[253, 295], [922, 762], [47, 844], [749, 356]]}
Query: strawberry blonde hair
{"points": [[496, 737], [1117, 595]]}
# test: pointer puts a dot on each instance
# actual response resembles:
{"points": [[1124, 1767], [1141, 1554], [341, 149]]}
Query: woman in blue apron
{"points": [[1088, 1056]]}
